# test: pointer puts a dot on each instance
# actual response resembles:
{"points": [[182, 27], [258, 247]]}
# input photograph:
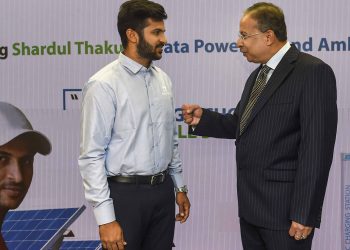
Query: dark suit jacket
{"points": [[285, 153]]}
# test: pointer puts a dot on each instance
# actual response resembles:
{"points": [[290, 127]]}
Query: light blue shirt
{"points": [[127, 128], [275, 60]]}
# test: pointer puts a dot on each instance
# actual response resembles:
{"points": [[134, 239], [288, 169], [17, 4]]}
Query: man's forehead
{"points": [[17, 152], [19, 146], [153, 24], [247, 23]]}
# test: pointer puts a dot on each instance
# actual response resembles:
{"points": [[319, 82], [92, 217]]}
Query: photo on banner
{"points": [[49, 49]]}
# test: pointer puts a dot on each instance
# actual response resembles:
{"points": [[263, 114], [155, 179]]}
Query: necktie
{"points": [[258, 87]]}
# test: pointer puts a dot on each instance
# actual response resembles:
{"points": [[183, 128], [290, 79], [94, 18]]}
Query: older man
{"points": [[285, 126]]}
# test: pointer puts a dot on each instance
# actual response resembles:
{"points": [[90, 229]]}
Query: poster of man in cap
{"points": [[19, 143]]}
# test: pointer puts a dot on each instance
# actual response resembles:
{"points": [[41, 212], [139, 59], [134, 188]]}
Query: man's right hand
{"points": [[192, 113], [111, 235]]}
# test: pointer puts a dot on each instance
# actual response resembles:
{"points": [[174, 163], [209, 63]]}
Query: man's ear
{"points": [[132, 36], [270, 37]]}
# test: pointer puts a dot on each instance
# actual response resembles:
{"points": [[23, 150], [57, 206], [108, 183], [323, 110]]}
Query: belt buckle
{"points": [[154, 178]]}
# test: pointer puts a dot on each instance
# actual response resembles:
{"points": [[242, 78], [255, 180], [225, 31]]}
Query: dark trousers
{"points": [[257, 238], [146, 214]]}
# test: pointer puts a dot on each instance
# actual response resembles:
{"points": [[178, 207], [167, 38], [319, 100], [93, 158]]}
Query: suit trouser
{"points": [[146, 214], [258, 238]]}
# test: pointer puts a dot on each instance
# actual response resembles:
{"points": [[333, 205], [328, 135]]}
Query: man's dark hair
{"points": [[133, 15], [269, 17]]}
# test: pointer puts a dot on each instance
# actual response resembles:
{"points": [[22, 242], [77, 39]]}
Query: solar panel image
{"points": [[80, 245], [37, 229]]}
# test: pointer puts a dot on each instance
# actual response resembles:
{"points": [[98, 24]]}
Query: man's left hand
{"points": [[299, 231], [184, 207]]}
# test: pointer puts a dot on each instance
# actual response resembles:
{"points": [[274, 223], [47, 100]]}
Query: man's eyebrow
{"points": [[4, 153], [158, 29]]}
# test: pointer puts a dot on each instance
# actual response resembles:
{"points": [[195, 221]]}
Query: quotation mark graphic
{"points": [[73, 94]]}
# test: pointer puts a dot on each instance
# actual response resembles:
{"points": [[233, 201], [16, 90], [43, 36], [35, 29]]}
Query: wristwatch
{"points": [[181, 189]]}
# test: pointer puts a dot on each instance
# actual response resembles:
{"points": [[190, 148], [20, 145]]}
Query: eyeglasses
{"points": [[244, 37]]}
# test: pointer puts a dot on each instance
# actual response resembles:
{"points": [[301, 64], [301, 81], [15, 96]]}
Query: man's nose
{"points": [[163, 39], [15, 172], [239, 42]]}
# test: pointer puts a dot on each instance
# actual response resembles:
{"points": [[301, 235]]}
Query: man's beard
{"points": [[147, 51]]}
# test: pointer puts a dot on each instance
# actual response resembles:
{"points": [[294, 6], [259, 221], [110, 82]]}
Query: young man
{"points": [[18, 145], [285, 127], [129, 158]]}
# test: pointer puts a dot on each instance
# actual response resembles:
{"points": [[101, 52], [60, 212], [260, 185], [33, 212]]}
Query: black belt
{"points": [[140, 179]]}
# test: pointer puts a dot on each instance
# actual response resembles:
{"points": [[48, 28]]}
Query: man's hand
{"points": [[298, 231], [192, 113], [111, 235], [184, 207]]}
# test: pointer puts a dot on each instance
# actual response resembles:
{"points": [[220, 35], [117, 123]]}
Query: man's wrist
{"points": [[181, 189]]}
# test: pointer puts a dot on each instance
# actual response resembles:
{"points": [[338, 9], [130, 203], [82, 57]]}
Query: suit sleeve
{"points": [[318, 124], [217, 125]]}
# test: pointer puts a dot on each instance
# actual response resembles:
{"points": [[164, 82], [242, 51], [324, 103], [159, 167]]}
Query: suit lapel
{"points": [[247, 89], [283, 69], [245, 96]]}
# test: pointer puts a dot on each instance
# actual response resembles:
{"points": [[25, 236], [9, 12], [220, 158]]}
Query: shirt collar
{"points": [[275, 60], [132, 65]]}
